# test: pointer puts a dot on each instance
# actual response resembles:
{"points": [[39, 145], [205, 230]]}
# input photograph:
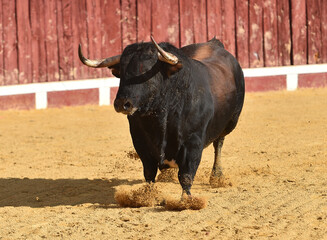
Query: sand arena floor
{"points": [[60, 168]]}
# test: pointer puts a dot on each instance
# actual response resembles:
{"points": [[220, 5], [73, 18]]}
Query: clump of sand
{"points": [[147, 195], [168, 175], [187, 202]]}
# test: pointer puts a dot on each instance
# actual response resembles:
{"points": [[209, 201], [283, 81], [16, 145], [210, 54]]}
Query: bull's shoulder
{"points": [[201, 51]]}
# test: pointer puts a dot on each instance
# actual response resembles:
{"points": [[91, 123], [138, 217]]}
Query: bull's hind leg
{"points": [[217, 178]]}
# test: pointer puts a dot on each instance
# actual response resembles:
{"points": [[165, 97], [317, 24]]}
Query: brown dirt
{"points": [[60, 168]]}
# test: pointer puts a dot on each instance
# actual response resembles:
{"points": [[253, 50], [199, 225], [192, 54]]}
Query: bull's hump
{"points": [[203, 52]]}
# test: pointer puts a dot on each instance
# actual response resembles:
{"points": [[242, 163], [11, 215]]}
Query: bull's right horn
{"points": [[106, 62], [165, 56]]}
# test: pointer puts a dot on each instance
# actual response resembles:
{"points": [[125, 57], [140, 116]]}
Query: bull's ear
{"points": [[115, 70], [172, 69]]}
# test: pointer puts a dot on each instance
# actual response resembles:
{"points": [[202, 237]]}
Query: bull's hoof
{"points": [[168, 175], [219, 182]]}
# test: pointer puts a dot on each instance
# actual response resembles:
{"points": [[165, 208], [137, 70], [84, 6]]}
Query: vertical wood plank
{"points": [[144, 20], [214, 20], [79, 37], [228, 26], [111, 30], [24, 42], [165, 21], [186, 23], [200, 20], [50, 11], [94, 34], [299, 32], [39, 62], [242, 32], [10, 42], [284, 33], [256, 36], [34, 18], [1, 48], [270, 33], [314, 32], [128, 22], [60, 35], [323, 8], [64, 28]]}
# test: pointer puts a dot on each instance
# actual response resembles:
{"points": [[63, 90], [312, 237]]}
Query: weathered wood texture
{"points": [[79, 28], [165, 21], [323, 24], [39, 38], [9, 40], [256, 33], [270, 33], [314, 30], [283, 32], [39, 54], [144, 20], [1, 46], [51, 40], [242, 33], [94, 33], [299, 31]]}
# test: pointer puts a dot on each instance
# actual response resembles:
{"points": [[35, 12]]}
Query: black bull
{"points": [[177, 101]]}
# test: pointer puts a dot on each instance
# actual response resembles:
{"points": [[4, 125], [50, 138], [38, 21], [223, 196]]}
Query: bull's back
{"points": [[226, 85]]}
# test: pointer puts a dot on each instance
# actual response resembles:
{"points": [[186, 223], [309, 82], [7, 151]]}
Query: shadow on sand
{"points": [[38, 193]]}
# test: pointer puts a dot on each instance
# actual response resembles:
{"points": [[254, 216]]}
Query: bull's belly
{"points": [[218, 129]]}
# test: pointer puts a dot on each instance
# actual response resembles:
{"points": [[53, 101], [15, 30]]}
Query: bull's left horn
{"points": [[165, 56], [106, 62]]}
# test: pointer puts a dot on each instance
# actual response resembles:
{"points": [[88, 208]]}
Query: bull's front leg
{"points": [[146, 148], [150, 163], [150, 168], [189, 158]]}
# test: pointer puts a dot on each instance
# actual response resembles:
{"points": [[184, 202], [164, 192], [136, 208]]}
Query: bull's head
{"points": [[141, 68]]}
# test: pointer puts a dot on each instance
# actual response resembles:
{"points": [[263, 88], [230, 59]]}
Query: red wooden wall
{"points": [[39, 38]]}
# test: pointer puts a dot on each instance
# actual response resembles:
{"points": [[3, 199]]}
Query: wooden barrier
{"points": [[39, 39]]}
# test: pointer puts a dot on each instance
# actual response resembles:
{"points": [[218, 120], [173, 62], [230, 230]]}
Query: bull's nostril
{"points": [[123, 105], [127, 106]]}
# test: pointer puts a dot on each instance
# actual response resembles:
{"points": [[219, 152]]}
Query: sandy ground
{"points": [[60, 168]]}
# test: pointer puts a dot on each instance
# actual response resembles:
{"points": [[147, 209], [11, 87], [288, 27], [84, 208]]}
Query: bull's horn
{"points": [[165, 56], [106, 62]]}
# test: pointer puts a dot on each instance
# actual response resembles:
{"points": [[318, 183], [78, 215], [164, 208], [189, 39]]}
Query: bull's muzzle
{"points": [[124, 106]]}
